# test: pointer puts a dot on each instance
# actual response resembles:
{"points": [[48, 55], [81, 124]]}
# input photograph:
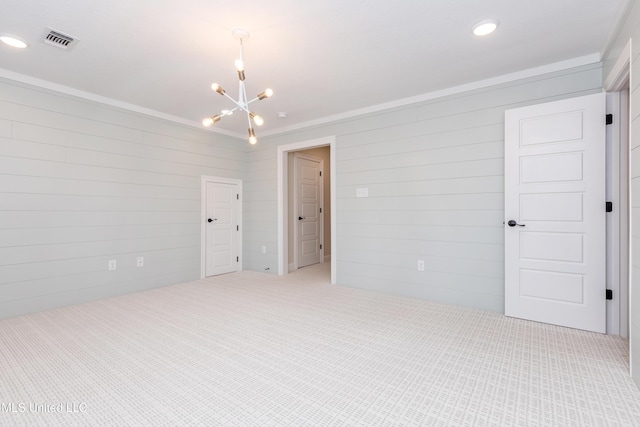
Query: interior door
{"points": [[308, 201], [555, 213], [221, 242]]}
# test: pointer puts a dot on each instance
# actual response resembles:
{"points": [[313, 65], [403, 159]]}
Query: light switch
{"points": [[362, 192]]}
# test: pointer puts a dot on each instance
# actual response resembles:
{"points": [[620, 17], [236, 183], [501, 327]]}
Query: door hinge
{"points": [[237, 228], [320, 210], [237, 259], [237, 197], [609, 294], [608, 207], [609, 119], [320, 246], [320, 173]]}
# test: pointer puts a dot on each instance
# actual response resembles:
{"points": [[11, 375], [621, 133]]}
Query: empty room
{"points": [[335, 213]]}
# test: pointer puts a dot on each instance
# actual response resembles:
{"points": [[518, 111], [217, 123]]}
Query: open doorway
{"points": [[309, 209], [286, 207]]}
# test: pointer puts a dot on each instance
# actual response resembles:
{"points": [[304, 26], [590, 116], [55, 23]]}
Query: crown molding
{"points": [[480, 84], [506, 78], [69, 91]]}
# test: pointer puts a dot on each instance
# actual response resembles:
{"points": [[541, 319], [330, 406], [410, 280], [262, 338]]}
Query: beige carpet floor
{"points": [[250, 349]]}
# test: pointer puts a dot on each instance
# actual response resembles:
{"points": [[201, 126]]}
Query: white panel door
{"points": [[221, 241], [308, 200], [555, 213]]}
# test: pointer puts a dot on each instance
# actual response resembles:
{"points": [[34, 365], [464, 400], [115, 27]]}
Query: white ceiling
{"points": [[322, 58]]}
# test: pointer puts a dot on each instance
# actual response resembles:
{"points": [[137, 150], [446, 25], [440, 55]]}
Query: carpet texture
{"points": [[250, 349]]}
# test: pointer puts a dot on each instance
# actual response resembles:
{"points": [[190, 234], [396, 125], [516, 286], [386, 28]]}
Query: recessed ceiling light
{"points": [[485, 27], [13, 41]]}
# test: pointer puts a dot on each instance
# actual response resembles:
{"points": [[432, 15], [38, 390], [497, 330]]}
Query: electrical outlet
{"points": [[140, 261], [362, 192], [264, 249], [420, 265], [113, 264]]}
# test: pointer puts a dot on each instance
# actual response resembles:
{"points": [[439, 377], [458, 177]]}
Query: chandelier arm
{"points": [[241, 98], [228, 112], [239, 105]]}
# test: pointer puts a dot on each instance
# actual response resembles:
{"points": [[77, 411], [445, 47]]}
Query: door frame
{"points": [[296, 243], [283, 220], [617, 220], [204, 179], [618, 257]]}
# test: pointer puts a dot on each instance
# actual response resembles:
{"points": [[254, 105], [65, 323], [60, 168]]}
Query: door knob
{"points": [[211, 220], [512, 223], [300, 218]]}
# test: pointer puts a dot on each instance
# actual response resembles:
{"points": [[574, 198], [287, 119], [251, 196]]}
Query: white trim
{"points": [[506, 78], [625, 211], [613, 223], [613, 226], [282, 198], [630, 230], [623, 10], [66, 90], [619, 252], [204, 179], [619, 74]]}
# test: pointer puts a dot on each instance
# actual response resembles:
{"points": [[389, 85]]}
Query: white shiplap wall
{"points": [[82, 183], [435, 176]]}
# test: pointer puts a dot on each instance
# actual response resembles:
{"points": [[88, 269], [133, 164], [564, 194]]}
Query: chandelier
{"points": [[243, 102]]}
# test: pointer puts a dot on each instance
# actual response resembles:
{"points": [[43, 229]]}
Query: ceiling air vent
{"points": [[59, 39]]}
